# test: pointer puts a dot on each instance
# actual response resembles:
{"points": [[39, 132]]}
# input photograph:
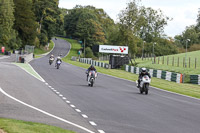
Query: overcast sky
{"points": [[183, 12]]}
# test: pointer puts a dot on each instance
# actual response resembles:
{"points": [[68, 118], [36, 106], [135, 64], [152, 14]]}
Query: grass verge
{"points": [[29, 69], [174, 63], [185, 89], [19, 126], [39, 51]]}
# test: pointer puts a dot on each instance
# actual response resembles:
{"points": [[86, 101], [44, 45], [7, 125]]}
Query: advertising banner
{"points": [[113, 49]]}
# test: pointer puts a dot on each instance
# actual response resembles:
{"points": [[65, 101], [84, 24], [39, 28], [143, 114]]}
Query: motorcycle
{"points": [[144, 84], [58, 64], [51, 61], [91, 78]]}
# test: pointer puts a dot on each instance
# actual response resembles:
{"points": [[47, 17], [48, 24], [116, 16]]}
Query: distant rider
{"points": [[89, 69], [51, 57], [143, 73]]}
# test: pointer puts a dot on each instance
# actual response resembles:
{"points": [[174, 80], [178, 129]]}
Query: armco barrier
{"points": [[195, 79], [95, 63], [175, 77]]}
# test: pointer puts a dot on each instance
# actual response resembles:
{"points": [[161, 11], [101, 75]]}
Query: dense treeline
{"points": [[35, 22], [137, 25], [28, 22]]}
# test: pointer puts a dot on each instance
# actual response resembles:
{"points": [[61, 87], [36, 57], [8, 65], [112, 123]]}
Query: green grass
{"points": [[18, 126], [40, 51], [75, 46], [174, 67], [186, 89], [29, 69]]}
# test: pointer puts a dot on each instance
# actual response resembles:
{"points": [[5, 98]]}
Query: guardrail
{"points": [[95, 63], [170, 76], [195, 79], [166, 75]]}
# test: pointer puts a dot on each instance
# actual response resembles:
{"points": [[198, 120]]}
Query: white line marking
{"points": [[150, 86], [46, 83], [101, 131], [46, 113], [92, 123], [61, 95], [50, 87], [78, 110], [64, 98], [84, 116], [72, 106], [57, 92], [68, 102], [175, 93], [36, 73], [40, 78]]}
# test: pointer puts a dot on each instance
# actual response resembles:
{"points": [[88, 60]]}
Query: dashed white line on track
{"points": [[84, 116], [73, 106], [68, 102], [92, 123], [101, 131], [78, 110], [46, 113]]}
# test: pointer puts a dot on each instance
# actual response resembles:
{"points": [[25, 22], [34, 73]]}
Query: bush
{"points": [[89, 53], [194, 47]]}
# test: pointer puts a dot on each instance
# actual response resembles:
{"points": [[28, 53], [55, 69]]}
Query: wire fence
{"points": [[185, 62]]}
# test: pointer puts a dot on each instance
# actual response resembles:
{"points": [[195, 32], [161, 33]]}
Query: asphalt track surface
{"points": [[115, 105], [24, 87]]}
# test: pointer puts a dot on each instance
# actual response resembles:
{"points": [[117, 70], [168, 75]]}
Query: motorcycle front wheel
{"points": [[146, 88]]}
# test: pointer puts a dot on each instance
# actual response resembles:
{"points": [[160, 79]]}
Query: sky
{"points": [[183, 12]]}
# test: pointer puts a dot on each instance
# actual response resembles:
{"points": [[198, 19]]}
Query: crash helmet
{"points": [[143, 70], [92, 67], [58, 57], [52, 55]]}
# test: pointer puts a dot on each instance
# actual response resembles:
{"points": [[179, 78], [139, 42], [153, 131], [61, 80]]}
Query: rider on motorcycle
{"points": [[142, 73], [89, 69], [51, 57], [58, 59]]}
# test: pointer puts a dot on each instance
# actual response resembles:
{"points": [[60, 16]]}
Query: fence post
{"points": [[163, 61], [158, 60], [195, 63], [173, 61], [178, 62], [189, 62], [183, 61], [167, 60]]}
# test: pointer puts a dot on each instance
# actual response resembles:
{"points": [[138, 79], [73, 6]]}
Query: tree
{"points": [[47, 14], [6, 23], [138, 24], [189, 33], [82, 23], [25, 24]]}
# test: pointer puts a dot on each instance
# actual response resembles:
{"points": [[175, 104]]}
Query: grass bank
{"points": [[17, 126], [186, 89], [174, 63], [39, 51]]}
